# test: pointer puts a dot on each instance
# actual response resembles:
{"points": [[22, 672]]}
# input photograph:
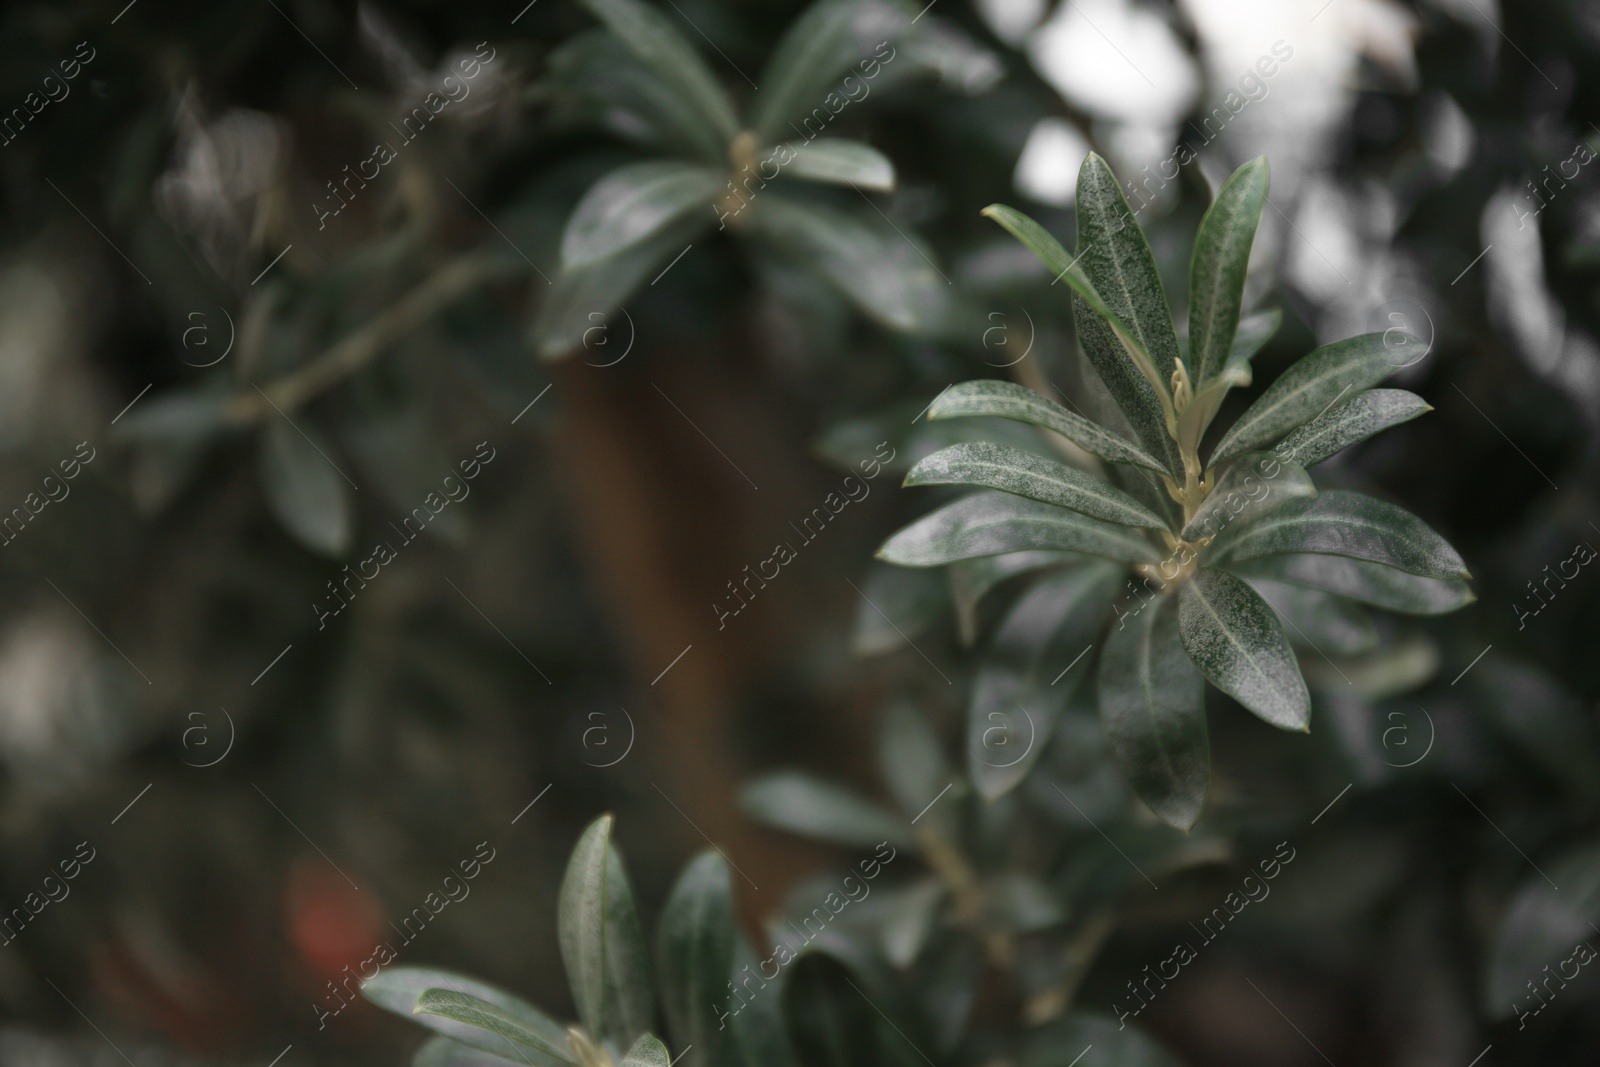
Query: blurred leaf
{"points": [[988, 524], [602, 945], [187, 415], [648, 1051], [593, 79], [398, 989], [1370, 583], [1026, 474], [533, 1039], [1329, 624], [911, 918], [306, 493], [1545, 722], [810, 807], [1349, 524], [759, 1031], [1355, 420], [440, 1051], [633, 204], [1021, 903], [813, 55], [1218, 268], [832, 1022], [912, 759], [884, 272], [1542, 927], [972, 579], [1232, 502], [898, 605], [1305, 392], [840, 162], [695, 955], [1152, 702], [1116, 1044], [696, 100], [1234, 638], [1008, 400]]}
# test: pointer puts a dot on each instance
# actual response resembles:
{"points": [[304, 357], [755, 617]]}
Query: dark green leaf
{"points": [[699, 101], [886, 274], [1544, 926], [1341, 523], [496, 1029], [912, 759], [1026, 474], [972, 579], [810, 807], [1008, 400], [1255, 485], [602, 945], [809, 63], [988, 524], [1306, 391], [832, 1023], [397, 989], [1354, 420], [1328, 624], [695, 955], [911, 917], [1116, 1043], [1233, 637], [307, 493], [594, 80], [1370, 583], [840, 162], [897, 604], [632, 204], [757, 1024], [1218, 267], [1152, 702]]}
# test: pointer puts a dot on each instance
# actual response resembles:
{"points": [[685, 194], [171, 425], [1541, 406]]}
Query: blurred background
{"points": [[229, 373]]}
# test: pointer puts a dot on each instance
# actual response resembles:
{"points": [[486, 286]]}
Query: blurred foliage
{"points": [[322, 565]]}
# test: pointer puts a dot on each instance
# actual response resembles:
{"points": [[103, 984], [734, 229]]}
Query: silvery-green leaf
{"points": [[888, 276], [1027, 474], [493, 1028], [1329, 624], [972, 579], [1255, 485], [910, 920], [634, 203], [1008, 400], [1234, 638], [305, 490], [1152, 702], [897, 604], [1354, 420], [1369, 583], [398, 988], [440, 1051], [602, 944], [811, 60], [912, 760], [1306, 391], [695, 952], [1218, 267], [648, 1051], [1342, 523], [810, 807], [988, 524], [1031, 669], [700, 102], [840, 162]]}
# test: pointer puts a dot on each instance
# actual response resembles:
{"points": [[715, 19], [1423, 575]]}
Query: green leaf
{"points": [[577, 307], [1111, 345], [1027, 474], [594, 80], [911, 759], [1328, 624], [1233, 637], [698, 101], [988, 524], [833, 1024], [632, 204], [911, 916], [602, 945], [1369, 583], [1253, 486], [1341, 523], [1544, 926], [759, 1032], [1354, 420], [1218, 267], [1306, 391], [1116, 1042], [648, 1051], [305, 490], [397, 989], [839, 162], [440, 1051], [880, 269], [1254, 332], [812, 57], [1030, 671], [514, 1033], [1152, 702], [810, 807], [972, 579], [695, 955], [1008, 400], [896, 605]]}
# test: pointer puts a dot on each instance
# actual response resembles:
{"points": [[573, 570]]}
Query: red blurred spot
{"points": [[331, 922]]}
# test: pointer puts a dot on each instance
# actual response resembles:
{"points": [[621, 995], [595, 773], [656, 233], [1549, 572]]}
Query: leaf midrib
{"points": [[1205, 602]]}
